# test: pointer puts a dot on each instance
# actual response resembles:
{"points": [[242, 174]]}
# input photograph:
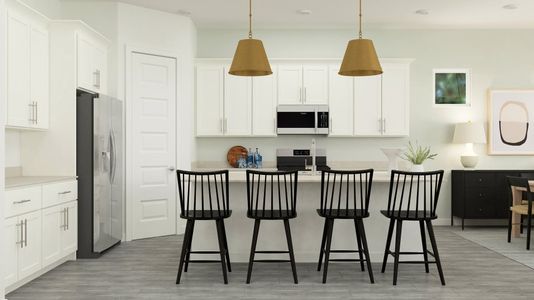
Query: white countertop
{"points": [[21, 181]]}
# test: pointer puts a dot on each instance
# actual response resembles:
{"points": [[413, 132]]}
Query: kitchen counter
{"points": [[22, 181], [241, 176]]}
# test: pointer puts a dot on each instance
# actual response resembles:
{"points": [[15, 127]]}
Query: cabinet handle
{"points": [[67, 223], [330, 125], [65, 192], [300, 95], [225, 129], [385, 125], [21, 242], [31, 113], [96, 75], [380, 125], [22, 201], [305, 96], [36, 107], [25, 232]]}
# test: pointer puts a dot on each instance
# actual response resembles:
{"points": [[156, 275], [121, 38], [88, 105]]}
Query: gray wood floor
{"points": [[146, 269]]}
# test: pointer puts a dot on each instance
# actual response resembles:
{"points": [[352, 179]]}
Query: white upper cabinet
{"points": [[28, 80], [264, 105], [368, 105], [237, 104], [302, 84], [210, 100], [341, 95], [395, 99], [91, 63], [315, 84], [290, 89]]}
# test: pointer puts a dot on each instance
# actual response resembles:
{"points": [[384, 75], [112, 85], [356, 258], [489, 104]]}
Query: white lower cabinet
{"points": [[60, 228], [37, 237], [22, 246]]}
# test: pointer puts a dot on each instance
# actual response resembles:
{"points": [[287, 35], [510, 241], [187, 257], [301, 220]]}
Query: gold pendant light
{"points": [[360, 57], [250, 58]]}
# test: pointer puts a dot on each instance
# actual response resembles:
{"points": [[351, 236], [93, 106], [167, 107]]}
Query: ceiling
{"points": [[342, 13]]}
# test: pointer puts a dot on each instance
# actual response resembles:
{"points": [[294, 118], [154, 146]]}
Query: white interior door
{"points": [[153, 126]]}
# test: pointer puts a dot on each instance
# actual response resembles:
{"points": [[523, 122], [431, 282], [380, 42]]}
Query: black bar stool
{"points": [[272, 196], [204, 196], [413, 197], [345, 195]]}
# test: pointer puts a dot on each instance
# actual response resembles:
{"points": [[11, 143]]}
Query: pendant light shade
{"points": [[250, 58], [360, 57]]}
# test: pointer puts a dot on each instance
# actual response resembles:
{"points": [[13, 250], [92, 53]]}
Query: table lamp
{"points": [[469, 134]]}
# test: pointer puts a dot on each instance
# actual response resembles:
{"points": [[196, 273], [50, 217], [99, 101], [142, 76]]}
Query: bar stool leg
{"points": [[363, 238], [423, 242], [435, 249], [253, 248], [226, 246], [327, 250], [321, 252], [388, 244], [359, 241], [397, 251], [188, 255], [222, 249], [185, 246], [290, 248]]}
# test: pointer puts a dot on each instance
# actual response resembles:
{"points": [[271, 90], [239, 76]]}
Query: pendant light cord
{"points": [[360, 14], [249, 19]]}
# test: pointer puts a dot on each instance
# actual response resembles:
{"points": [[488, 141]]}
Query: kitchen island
{"points": [[307, 228]]}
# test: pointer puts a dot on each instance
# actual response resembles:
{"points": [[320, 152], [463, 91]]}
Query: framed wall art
{"points": [[510, 114], [452, 87]]}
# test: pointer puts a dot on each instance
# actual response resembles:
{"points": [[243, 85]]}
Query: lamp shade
{"points": [[250, 59], [465, 133], [360, 59]]}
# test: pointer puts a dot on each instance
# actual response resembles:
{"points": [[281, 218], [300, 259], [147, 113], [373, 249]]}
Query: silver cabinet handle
{"points": [[225, 125], [384, 127], [62, 225], [305, 96], [96, 75], [25, 232], [22, 201], [21, 242], [380, 125], [222, 125], [330, 125], [65, 192], [32, 111], [172, 169], [36, 107], [67, 223], [300, 95]]}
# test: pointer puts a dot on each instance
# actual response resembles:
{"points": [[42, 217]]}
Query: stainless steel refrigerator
{"points": [[99, 165]]}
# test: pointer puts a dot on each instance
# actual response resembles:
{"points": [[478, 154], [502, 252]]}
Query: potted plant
{"points": [[417, 155]]}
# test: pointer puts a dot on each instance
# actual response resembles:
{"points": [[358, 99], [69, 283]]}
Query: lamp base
{"points": [[469, 161]]}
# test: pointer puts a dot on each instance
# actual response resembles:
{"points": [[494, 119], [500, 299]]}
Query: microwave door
{"points": [[296, 122]]}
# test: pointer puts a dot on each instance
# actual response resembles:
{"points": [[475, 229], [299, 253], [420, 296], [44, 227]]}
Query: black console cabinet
{"points": [[481, 194]]}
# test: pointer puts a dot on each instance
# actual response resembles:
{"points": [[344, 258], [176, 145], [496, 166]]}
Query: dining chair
{"points": [[521, 208]]}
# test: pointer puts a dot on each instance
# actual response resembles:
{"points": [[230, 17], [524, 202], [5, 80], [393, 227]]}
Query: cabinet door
{"points": [[18, 72], [40, 82], [29, 258], [290, 89], [11, 245], [100, 60], [237, 104], [85, 63], [367, 105], [53, 227], [264, 105], [209, 93], [395, 99], [341, 96], [315, 83], [69, 237]]}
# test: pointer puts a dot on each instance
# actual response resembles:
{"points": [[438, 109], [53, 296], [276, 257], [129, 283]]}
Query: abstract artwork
{"points": [[451, 87], [511, 113]]}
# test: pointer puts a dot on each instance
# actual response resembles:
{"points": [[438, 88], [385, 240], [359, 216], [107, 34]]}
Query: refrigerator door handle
{"points": [[113, 157]]}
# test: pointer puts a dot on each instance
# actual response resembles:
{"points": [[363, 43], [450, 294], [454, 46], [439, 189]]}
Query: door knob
{"points": [[172, 169]]}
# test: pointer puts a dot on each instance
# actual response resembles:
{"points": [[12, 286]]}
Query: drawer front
{"points": [[61, 192], [480, 203], [21, 201], [479, 179]]}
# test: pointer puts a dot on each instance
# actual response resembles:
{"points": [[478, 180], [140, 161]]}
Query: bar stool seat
{"points": [[409, 215], [202, 215], [343, 213]]}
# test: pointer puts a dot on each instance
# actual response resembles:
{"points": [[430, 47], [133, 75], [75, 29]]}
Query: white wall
{"points": [[2, 138], [12, 149], [497, 59]]}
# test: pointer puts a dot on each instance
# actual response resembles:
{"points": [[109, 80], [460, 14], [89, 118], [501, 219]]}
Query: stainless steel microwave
{"points": [[302, 119]]}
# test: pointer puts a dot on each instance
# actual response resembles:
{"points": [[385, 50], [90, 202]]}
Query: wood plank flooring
{"points": [[146, 269]]}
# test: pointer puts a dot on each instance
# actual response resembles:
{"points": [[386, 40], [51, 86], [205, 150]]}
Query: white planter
{"points": [[417, 168]]}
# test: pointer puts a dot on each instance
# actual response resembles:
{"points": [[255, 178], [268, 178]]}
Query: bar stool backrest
{"points": [[206, 194], [270, 193], [414, 191], [342, 191]]}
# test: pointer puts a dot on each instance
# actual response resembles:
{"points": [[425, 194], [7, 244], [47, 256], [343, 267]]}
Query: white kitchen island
{"points": [[306, 228]]}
